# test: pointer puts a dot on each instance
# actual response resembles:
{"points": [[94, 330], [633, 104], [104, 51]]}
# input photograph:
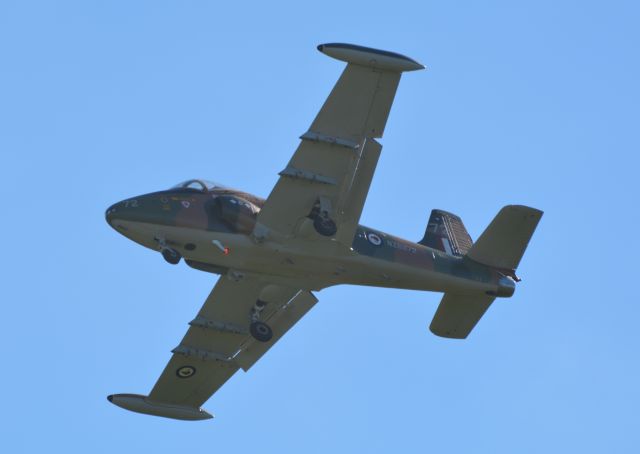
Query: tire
{"points": [[325, 226], [171, 256], [261, 331]]}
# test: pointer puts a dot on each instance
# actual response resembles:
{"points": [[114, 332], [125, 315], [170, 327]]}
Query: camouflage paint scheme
{"points": [[271, 253], [202, 215]]}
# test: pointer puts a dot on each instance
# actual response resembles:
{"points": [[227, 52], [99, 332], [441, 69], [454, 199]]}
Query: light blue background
{"points": [[524, 102]]}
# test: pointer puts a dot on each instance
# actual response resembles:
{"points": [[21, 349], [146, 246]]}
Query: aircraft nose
{"points": [[116, 211], [110, 214], [136, 209], [121, 211]]}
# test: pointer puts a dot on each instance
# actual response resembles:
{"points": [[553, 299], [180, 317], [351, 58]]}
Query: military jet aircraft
{"points": [[272, 253]]}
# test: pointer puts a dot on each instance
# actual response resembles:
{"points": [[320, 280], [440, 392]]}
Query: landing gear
{"points": [[324, 225], [171, 256], [322, 221], [261, 331]]}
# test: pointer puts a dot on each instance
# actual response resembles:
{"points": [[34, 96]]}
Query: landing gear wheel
{"points": [[261, 331], [325, 226], [171, 256]]}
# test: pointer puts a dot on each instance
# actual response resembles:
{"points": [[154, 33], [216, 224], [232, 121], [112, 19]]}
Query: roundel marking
{"points": [[374, 239], [186, 372]]}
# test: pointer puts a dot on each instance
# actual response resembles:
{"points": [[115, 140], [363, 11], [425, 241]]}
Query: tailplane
{"points": [[504, 241], [458, 314], [500, 246]]}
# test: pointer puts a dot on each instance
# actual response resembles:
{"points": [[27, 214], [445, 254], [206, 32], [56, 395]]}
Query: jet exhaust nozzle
{"points": [[506, 287]]}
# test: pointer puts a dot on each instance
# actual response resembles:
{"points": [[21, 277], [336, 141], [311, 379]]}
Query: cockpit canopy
{"points": [[200, 185]]}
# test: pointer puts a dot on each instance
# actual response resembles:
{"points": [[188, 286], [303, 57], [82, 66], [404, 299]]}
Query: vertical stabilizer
{"points": [[446, 232]]}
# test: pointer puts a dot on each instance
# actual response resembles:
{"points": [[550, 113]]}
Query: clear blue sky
{"points": [[524, 102]]}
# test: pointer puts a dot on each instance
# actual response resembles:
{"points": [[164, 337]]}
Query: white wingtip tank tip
{"points": [[141, 404], [367, 56]]}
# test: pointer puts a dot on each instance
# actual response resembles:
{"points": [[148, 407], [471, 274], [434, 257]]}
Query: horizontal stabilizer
{"points": [[458, 314], [503, 243]]}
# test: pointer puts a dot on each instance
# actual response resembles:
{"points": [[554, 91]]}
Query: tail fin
{"points": [[446, 232], [500, 246], [503, 243]]}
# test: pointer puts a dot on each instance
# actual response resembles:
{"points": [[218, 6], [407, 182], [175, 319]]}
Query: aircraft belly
{"points": [[218, 248], [313, 265], [237, 251], [381, 273]]}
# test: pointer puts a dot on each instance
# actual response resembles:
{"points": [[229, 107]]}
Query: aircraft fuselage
{"points": [[213, 231]]}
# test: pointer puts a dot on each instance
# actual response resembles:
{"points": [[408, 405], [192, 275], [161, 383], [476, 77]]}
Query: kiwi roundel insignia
{"points": [[374, 239], [186, 372]]}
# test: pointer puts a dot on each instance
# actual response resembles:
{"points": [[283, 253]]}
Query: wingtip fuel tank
{"points": [[367, 56], [142, 404]]}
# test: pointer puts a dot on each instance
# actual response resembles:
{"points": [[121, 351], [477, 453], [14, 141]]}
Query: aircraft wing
{"points": [[218, 343], [330, 172]]}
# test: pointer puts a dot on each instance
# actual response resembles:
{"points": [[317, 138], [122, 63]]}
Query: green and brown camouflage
{"points": [[305, 236], [193, 205], [213, 210], [398, 250]]}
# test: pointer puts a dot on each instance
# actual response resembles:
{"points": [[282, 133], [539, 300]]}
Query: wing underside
{"points": [[218, 343], [330, 173]]}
